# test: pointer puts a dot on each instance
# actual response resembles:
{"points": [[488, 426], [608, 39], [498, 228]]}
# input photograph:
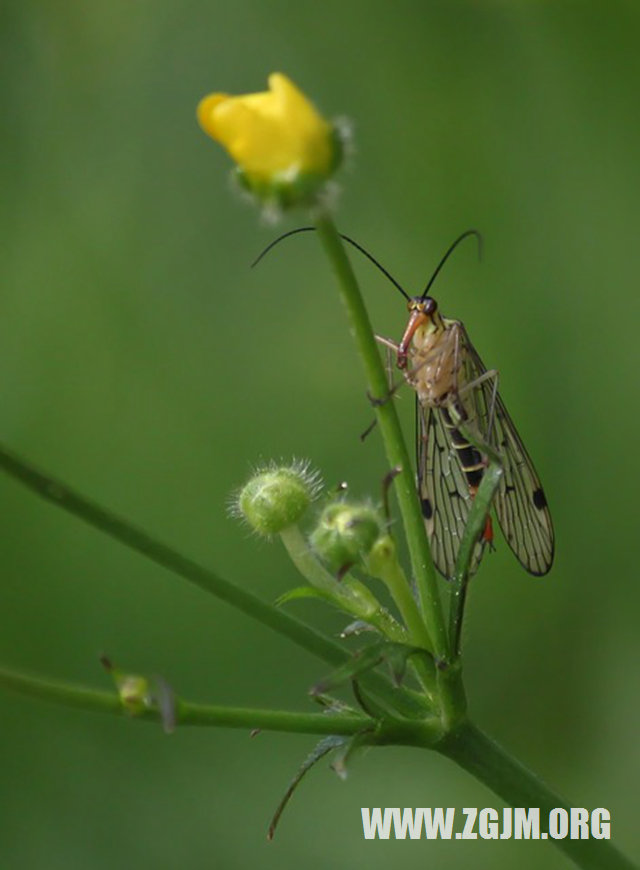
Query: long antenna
{"points": [[450, 250], [347, 239], [378, 265], [280, 239]]}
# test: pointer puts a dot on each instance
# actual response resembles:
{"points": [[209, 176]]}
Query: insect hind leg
{"points": [[494, 376]]}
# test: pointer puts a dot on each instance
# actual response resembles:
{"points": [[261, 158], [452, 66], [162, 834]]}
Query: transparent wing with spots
{"points": [[444, 491], [520, 503]]}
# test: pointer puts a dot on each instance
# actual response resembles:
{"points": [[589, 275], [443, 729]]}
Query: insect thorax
{"points": [[434, 362]]}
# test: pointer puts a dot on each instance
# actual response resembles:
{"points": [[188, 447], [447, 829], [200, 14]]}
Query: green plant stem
{"points": [[187, 713], [121, 530], [349, 595], [391, 431], [489, 763], [382, 562], [467, 746], [389, 730], [394, 578], [300, 554], [474, 528]]}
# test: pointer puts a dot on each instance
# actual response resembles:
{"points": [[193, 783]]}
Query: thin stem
{"points": [[395, 448], [349, 595], [426, 732], [489, 763], [383, 563], [396, 582], [474, 528], [302, 557], [121, 530], [187, 713]]}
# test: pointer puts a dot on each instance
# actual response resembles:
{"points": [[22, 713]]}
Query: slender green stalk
{"points": [[382, 562], [489, 763], [387, 731], [300, 554], [187, 713], [474, 528], [350, 595], [121, 530], [391, 431], [397, 584]]}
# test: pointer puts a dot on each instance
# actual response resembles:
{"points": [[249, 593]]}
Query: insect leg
{"points": [[387, 342], [393, 388], [408, 375], [478, 432], [452, 398], [376, 402], [386, 486], [491, 410], [491, 375], [485, 376]]}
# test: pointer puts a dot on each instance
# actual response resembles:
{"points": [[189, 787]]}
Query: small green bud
{"points": [[134, 690], [345, 534], [138, 694], [276, 497], [383, 557], [135, 693]]}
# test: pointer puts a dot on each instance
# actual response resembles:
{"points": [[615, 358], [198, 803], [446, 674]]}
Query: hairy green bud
{"points": [[345, 534], [276, 497]]}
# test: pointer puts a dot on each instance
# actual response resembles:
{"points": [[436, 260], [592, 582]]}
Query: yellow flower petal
{"points": [[274, 136]]}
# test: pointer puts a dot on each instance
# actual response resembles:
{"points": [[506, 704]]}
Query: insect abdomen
{"points": [[471, 461]]}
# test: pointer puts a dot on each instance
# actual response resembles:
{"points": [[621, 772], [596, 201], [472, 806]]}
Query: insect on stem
{"points": [[456, 394]]}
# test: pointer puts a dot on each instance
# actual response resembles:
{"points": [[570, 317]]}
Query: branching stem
{"points": [[122, 530]]}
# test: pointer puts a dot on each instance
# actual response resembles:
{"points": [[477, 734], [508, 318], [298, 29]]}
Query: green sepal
{"points": [[345, 753], [283, 192], [394, 654], [324, 747], [359, 626], [353, 598], [300, 592]]}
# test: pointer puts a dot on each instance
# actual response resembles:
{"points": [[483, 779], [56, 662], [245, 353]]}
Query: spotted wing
{"points": [[520, 503], [444, 491]]}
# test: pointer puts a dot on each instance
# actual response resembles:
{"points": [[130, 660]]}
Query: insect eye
{"points": [[429, 305]]}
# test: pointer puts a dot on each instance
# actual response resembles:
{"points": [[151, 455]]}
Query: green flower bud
{"points": [[276, 497], [138, 694], [134, 690], [383, 557], [345, 534], [135, 693]]}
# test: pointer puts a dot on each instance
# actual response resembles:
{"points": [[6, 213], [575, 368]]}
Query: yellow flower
{"points": [[283, 147]]}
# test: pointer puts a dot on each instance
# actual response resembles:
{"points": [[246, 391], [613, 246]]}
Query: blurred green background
{"points": [[143, 362]]}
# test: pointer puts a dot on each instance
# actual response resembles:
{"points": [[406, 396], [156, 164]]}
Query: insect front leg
{"points": [[376, 402], [409, 376], [390, 346]]}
